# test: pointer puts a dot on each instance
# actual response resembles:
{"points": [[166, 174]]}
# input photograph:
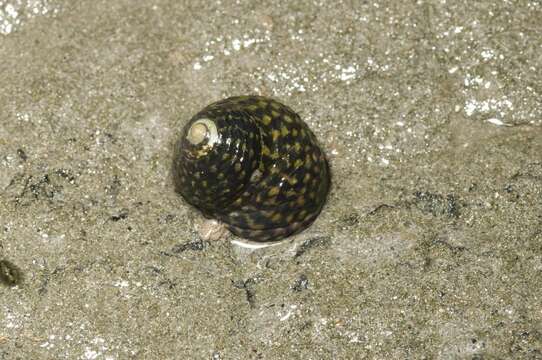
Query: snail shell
{"points": [[252, 163]]}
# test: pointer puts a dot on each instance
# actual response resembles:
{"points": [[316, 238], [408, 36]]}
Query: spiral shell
{"points": [[252, 163]]}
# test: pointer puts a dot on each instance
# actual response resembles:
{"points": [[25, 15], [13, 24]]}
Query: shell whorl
{"points": [[252, 163]]}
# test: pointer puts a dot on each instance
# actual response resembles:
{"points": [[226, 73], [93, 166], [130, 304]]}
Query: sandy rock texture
{"points": [[430, 245]]}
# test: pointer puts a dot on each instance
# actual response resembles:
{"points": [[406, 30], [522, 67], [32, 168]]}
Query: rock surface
{"points": [[430, 244]]}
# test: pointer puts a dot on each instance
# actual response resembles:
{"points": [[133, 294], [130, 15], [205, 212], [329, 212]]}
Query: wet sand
{"points": [[430, 113]]}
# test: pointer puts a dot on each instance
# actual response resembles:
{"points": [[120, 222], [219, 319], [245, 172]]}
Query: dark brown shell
{"points": [[261, 171]]}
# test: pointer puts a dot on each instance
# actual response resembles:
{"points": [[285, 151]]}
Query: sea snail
{"points": [[253, 164]]}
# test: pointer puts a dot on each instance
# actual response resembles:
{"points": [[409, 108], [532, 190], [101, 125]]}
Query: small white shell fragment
{"points": [[496, 121]]}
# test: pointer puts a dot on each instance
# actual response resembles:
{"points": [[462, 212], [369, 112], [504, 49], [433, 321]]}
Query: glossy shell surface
{"points": [[252, 163]]}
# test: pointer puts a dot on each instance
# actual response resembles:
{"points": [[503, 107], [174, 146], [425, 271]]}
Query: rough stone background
{"points": [[430, 245]]}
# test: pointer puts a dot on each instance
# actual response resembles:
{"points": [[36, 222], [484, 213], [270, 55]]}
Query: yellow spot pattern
{"points": [[266, 119]]}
